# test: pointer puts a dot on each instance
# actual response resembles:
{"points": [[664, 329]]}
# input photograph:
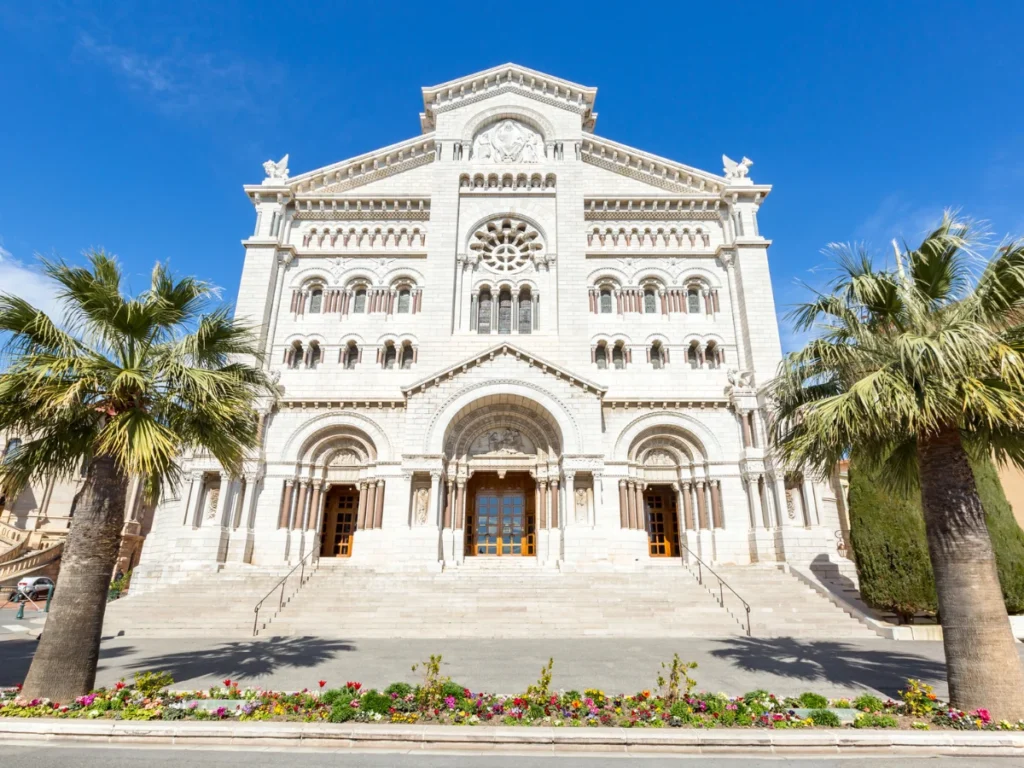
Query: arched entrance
{"points": [[502, 472], [337, 534]]}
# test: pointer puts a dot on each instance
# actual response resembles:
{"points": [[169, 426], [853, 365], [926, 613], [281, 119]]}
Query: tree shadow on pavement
{"points": [[244, 659], [841, 664], [16, 658]]}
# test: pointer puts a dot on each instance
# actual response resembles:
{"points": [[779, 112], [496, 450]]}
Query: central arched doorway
{"points": [[339, 527], [662, 513], [501, 520]]}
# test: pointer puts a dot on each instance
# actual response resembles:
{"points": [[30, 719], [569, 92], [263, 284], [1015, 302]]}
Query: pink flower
{"points": [[983, 715], [449, 702]]}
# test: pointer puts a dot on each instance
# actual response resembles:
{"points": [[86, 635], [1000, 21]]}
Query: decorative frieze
{"points": [[320, 208]]}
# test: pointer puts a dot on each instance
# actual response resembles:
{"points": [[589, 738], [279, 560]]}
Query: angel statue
{"points": [[276, 171], [734, 170]]}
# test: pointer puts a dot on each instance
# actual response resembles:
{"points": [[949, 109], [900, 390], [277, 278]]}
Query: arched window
{"points": [[712, 355], [316, 301], [403, 300], [350, 356], [314, 355], [606, 301], [693, 300], [483, 321], [406, 362], [13, 446], [650, 301], [505, 311], [525, 311], [691, 356], [657, 356], [390, 354], [601, 355], [618, 357], [359, 305], [295, 361]]}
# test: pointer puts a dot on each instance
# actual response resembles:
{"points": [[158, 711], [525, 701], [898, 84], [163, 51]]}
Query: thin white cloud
{"points": [[27, 283], [899, 218]]}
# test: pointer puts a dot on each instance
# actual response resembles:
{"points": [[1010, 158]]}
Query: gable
{"points": [[642, 172]]}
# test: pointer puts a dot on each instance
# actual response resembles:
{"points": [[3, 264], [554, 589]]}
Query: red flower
{"points": [[118, 685], [227, 683], [323, 683], [353, 686], [18, 687]]}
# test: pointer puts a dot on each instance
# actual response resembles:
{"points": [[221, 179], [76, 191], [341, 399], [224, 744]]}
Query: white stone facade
{"points": [[505, 300]]}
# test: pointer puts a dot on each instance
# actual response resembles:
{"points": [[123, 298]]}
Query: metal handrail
{"points": [[314, 558], [722, 584]]}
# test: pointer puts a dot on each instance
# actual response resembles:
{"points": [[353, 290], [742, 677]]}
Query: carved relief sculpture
{"points": [[420, 505], [581, 505], [508, 141], [211, 503]]}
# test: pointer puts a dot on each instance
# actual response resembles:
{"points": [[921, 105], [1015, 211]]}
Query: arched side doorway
{"points": [[669, 493], [502, 477]]}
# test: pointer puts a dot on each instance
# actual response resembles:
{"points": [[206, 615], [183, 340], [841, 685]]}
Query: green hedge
{"points": [[888, 538]]}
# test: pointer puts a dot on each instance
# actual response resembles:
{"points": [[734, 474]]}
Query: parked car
{"points": [[32, 587]]}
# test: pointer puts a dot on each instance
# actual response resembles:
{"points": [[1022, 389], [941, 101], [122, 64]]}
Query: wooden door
{"points": [[338, 532], [663, 532]]}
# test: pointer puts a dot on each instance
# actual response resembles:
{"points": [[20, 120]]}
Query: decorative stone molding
{"points": [[319, 208], [507, 245], [693, 207]]}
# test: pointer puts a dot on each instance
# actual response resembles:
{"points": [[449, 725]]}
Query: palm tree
{"points": [[124, 385], [912, 370]]}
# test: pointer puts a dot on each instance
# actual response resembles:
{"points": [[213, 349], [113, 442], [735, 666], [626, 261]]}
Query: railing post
{"points": [[721, 593], [49, 597], [700, 574], [280, 601], [748, 618], [256, 618]]}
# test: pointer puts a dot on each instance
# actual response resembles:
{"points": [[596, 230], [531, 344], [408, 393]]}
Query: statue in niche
{"points": [[276, 171], [506, 440], [212, 500], [508, 141], [581, 505], [420, 504]]}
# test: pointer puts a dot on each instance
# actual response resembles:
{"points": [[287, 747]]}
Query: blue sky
{"points": [[133, 126]]}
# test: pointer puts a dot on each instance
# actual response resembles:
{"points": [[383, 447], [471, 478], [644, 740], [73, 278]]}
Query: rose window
{"points": [[506, 245]]}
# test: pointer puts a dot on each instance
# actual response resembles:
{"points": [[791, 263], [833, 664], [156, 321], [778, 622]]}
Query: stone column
{"points": [[687, 496], [300, 507], [682, 523], [378, 510], [631, 501], [623, 505], [286, 504], [702, 506], [314, 508], [435, 485], [371, 502], [361, 513], [641, 509], [746, 429], [460, 503], [716, 504], [449, 502], [542, 511], [554, 504], [809, 505], [570, 498]]}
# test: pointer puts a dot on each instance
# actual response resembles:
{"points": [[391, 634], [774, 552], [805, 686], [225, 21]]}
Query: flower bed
{"points": [[438, 700]]}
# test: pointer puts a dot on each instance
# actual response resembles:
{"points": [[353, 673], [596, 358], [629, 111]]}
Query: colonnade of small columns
{"points": [[692, 496], [302, 503]]}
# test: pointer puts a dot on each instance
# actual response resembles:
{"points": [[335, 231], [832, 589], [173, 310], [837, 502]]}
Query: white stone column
{"points": [[241, 543], [196, 495]]}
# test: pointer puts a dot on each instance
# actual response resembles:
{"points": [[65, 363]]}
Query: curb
{"points": [[435, 738]]}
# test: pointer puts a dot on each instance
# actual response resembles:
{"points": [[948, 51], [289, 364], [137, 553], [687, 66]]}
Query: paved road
{"points": [[48, 756], [734, 664]]}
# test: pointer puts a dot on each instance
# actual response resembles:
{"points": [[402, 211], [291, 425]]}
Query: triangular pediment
{"points": [[509, 78], [651, 170], [527, 358]]}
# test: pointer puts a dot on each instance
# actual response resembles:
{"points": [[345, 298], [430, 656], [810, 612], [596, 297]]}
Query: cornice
{"points": [[398, 208], [633, 403], [651, 169], [504, 79], [692, 206], [505, 349], [320, 403]]}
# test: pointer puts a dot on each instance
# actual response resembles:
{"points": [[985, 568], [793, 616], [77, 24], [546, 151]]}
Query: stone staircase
{"points": [[215, 605], [781, 605]]}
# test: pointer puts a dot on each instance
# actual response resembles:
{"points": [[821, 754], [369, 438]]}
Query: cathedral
{"points": [[505, 338]]}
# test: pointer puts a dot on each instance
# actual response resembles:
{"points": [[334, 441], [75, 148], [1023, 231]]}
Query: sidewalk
{"points": [[19, 629]]}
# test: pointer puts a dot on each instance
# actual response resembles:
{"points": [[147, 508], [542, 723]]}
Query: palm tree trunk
{"points": [[64, 665], [982, 663]]}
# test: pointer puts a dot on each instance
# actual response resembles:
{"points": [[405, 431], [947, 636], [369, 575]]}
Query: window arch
{"points": [[650, 301], [525, 310], [601, 355], [693, 300], [350, 356], [692, 356], [313, 355], [316, 300], [359, 299], [484, 309], [407, 357], [618, 356], [294, 359], [606, 300], [390, 355], [657, 356], [505, 311], [404, 300], [715, 355]]}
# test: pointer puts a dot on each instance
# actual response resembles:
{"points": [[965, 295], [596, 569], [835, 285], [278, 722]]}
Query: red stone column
{"points": [[623, 505], [314, 509], [702, 506], [371, 503], [286, 505], [296, 520], [554, 504], [641, 509], [361, 514], [716, 503], [449, 501], [688, 505], [378, 511], [542, 512], [631, 500]]}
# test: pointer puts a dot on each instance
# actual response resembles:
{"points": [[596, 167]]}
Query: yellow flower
{"points": [[577, 703]]}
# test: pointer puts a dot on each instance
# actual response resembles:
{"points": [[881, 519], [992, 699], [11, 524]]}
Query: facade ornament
{"points": [[581, 505], [213, 498], [508, 141], [276, 172], [740, 379], [507, 245], [421, 504], [735, 171]]}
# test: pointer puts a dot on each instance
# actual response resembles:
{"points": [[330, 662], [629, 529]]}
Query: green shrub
{"points": [[375, 702], [869, 720], [332, 695], [151, 683], [536, 712], [342, 710], [716, 703], [810, 700], [570, 696], [825, 718], [681, 710], [453, 689], [888, 538], [401, 689], [868, 703]]}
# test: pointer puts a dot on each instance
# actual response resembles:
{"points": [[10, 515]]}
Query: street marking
{"points": [[15, 628]]}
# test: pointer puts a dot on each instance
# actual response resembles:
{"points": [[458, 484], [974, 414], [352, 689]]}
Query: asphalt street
{"points": [[85, 756]]}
